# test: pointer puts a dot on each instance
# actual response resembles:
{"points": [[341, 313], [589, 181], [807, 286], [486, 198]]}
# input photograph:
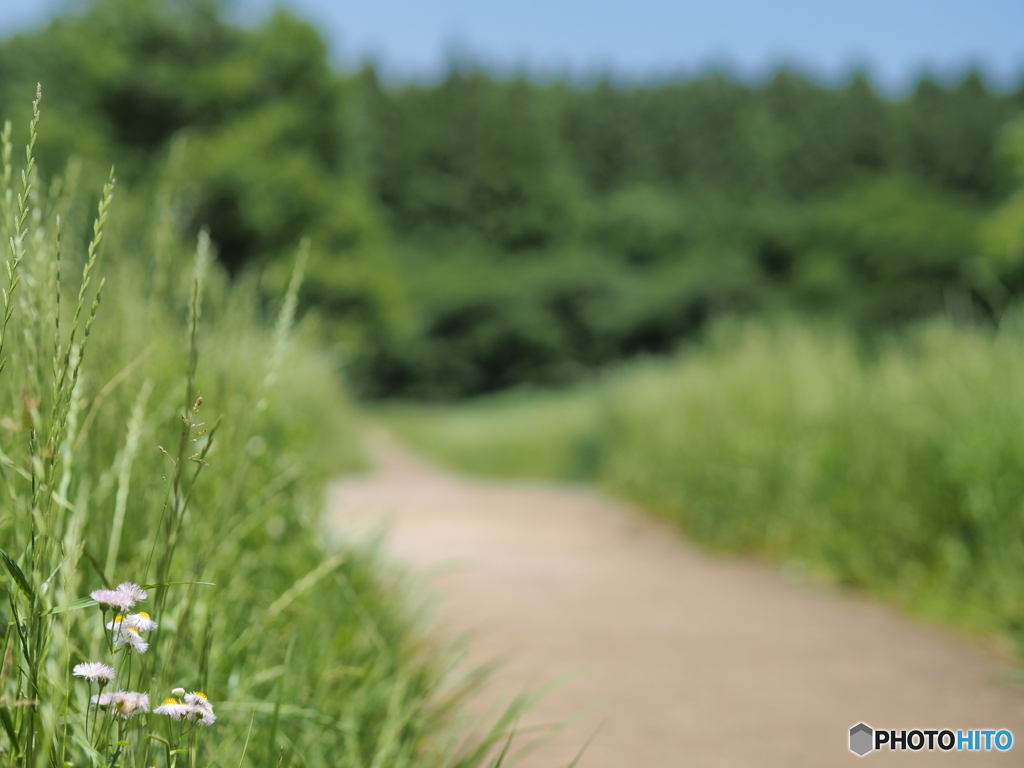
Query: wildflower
{"points": [[138, 621], [123, 704], [112, 598], [199, 700], [196, 707], [93, 671], [201, 708], [131, 703], [173, 708], [134, 591], [130, 636]]}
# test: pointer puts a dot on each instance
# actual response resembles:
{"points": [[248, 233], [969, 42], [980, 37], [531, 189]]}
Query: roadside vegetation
{"points": [[162, 430], [898, 470]]}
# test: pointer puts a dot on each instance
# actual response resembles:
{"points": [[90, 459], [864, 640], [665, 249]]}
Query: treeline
{"points": [[550, 228], [479, 232], [507, 159]]}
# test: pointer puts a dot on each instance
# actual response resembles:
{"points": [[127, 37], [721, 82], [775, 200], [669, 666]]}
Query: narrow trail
{"points": [[682, 658]]}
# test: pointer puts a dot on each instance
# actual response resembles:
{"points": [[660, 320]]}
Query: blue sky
{"points": [[894, 39]]}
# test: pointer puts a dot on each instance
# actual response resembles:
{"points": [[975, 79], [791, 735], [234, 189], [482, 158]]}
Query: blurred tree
{"points": [[480, 232], [471, 155], [268, 129], [949, 135], [866, 125], [999, 269]]}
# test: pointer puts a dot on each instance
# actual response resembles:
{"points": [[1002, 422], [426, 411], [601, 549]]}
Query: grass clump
{"points": [[900, 471], [156, 433]]}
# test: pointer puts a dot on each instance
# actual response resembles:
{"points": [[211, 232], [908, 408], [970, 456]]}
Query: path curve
{"points": [[683, 658]]}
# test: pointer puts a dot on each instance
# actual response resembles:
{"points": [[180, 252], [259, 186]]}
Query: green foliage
{"points": [[884, 253], [481, 232], [1001, 261], [471, 154], [656, 267], [260, 126], [170, 437], [679, 202], [900, 471]]}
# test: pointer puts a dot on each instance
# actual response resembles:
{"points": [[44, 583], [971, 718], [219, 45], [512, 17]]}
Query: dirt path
{"points": [[687, 659]]}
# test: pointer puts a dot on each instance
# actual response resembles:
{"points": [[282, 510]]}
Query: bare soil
{"points": [[675, 657]]}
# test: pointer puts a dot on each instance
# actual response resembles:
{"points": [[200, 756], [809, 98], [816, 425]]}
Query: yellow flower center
{"points": [[201, 694], [118, 619], [170, 701], [142, 615]]}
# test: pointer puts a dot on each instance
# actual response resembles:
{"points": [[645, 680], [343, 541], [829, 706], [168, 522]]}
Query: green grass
{"points": [[899, 471], [518, 434], [161, 427]]}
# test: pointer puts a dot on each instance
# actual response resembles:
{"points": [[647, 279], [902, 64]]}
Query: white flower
{"points": [[130, 636], [140, 701], [199, 700], [134, 591], [200, 708], [173, 708], [123, 704], [132, 703], [93, 671], [112, 598], [138, 621], [196, 707]]}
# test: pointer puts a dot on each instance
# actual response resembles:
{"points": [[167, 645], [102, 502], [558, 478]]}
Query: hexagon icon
{"points": [[861, 739]]}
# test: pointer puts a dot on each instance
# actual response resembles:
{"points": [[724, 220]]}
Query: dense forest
{"points": [[483, 232]]}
